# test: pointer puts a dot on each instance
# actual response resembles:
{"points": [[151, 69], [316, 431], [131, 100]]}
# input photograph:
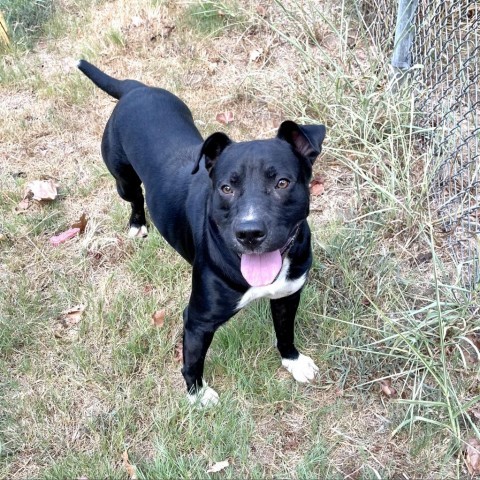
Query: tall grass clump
{"points": [[397, 312], [26, 19]]}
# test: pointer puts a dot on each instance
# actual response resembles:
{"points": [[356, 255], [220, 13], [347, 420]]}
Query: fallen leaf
{"points": [[262, 11], [148, 289], [218, 467], [317, 189], [225, 117], [42, 190], [212, 67], [472, 458], [56, 240], [23, 205], [255, 54], [68, 320], [131, 469], [72, 316], [158, 318], [81, 223], [387, 389], [137, 21], [178, 355], [317, 185]]}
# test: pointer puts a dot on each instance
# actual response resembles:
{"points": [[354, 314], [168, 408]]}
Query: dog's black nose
{"points": [[251, 233]]}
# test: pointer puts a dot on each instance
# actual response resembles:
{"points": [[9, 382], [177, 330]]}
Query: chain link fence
{"points": [[447, 47], [438, 43]]}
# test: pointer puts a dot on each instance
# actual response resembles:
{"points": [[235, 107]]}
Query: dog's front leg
{"points": [[196, 340], [284, 309]]}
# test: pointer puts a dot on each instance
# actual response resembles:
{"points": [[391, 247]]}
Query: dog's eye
{"points": [[282, 183], [227, 189]]}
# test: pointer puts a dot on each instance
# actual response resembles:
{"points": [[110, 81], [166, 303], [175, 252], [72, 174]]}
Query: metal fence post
{"points": [[404, 34]]}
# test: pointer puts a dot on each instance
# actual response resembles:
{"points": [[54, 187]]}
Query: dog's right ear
{"points": [[212, 147]]}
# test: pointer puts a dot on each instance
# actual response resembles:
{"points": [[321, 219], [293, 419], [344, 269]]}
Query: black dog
{"points": [[239, 219]]}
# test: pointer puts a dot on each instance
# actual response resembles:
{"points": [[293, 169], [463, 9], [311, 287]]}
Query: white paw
{"points": [[303, 368], [138, 232], [206, 397]]}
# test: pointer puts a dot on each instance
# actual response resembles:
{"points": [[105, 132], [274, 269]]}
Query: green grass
{"points": [[394, 319], [214, 18], [26, 19]]}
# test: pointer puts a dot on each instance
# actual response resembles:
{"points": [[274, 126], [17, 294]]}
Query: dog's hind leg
{"points": [[129, 187]]}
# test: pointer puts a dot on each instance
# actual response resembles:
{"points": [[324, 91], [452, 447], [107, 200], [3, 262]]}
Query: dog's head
{"points": [[260, 193]]}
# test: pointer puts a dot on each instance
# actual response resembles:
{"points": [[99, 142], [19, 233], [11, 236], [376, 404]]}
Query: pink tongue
{"points": [[261, 269]]}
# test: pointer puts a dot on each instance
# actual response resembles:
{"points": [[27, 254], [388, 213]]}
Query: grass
{"points": [[384, 302], [26, 19], [213, 18]]}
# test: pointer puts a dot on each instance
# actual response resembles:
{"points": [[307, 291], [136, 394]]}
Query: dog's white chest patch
{"points": [[281, 287]]}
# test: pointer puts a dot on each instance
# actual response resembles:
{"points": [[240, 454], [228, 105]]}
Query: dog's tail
{"points": [[115, 88]]}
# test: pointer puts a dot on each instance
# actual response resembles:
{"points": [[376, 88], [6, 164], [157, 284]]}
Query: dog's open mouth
{"points": [[260, 269]]}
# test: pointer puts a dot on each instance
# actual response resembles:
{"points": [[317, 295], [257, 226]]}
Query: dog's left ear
{"points": [[306, 140], [212, 147]]}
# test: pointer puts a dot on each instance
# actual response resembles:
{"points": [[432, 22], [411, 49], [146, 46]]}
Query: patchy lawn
{"points": [[383, 314]]}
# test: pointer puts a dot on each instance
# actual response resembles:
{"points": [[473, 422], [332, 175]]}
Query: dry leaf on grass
{"points": [[131, 469], [81, 223], [72, 316], [39, 190], [262, 11], [56, 240], [317, 185], [68, 319], [77, 228], [158, 318], [225, 117], [178, 355], [137, 21], [23, 205], [148, 289], [387, 389], [42, 190], [255, 54], [472, 458], [218, 467]]}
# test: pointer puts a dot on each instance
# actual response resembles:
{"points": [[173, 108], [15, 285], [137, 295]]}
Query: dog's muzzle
{"points": [[260, 269]]}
